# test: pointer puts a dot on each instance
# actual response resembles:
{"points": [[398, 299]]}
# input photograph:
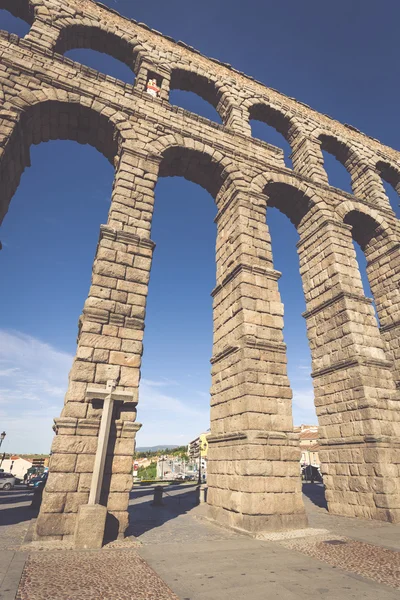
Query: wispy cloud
{"points": [[161, 383], [168, 418], [303, 406], [33, 381]]}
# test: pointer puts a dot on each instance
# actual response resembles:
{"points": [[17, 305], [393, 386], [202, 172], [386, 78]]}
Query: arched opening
{"points": [[16, 16], [336, 162], [22, 9], [378, 257], [194, 166], [367, 239], [174, 394], [286, 208], [195, 93], [99, 50], [271, 126], [51, 120], [49, 240], [391, 182]]}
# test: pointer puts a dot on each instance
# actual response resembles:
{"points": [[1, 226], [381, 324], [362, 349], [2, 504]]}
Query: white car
{"points": [[7, 481]]}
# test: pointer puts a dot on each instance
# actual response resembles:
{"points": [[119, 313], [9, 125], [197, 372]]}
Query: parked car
{"points": [[7, 481], [37, 482]]}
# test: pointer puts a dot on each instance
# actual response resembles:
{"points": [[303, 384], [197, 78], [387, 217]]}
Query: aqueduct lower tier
{"points": [[253, 452]]}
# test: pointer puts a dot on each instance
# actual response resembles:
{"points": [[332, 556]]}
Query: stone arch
{"points": [[196, 162], [292, 197], [390, 173], [99, 38], [203, 85], [261, 109], [365, 221], [50, 115], [381, 248], [342, 151], [23, 9]]}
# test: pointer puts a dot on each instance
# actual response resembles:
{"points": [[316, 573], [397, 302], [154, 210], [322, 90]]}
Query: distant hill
{"points": [[156, 448]]}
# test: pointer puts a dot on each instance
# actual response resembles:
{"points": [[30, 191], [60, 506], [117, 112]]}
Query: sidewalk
{"points": [[345, 558], [175, 553], [15, 517]]}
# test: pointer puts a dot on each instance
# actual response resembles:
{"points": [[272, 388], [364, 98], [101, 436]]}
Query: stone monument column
{"points": [[109, 349], [355, 394], [253, 464]]}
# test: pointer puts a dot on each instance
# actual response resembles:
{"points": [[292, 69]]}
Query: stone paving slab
{"points": [[11, 576]]}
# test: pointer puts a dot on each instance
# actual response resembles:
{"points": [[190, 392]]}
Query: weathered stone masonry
{"points": [[253, 468]]}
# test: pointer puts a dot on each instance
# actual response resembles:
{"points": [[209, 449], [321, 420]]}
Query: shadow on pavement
{"points": [[15, 506], [316, 493], [143, 516]]}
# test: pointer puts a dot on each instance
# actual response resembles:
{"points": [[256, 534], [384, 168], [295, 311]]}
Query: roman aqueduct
{"points": [[253, 463]]}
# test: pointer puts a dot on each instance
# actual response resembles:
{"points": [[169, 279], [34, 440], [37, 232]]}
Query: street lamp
{"points": [[2, 436], [199, 480], [162, 459]]}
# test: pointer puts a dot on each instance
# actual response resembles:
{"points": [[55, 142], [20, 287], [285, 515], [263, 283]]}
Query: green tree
{"points": [[149, 472]]}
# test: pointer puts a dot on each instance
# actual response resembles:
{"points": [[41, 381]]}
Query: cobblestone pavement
{"points": [[372, 532], [377, 563], [91, 575]]}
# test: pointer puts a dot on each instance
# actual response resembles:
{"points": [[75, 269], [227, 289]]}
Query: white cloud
{"points": [[167, 419], [33, 381], [303, 406]]}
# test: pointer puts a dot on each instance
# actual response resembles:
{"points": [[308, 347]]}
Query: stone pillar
{"points": [[109, 347], [234, 116], [44, 34], [14, 156], [253, 461], [366, 182], [355, 394], [307, 158], [383, 268]]}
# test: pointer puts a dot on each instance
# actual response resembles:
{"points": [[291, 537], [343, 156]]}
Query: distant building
{"points": [[198, 450], [309, 444], [16, 465]]}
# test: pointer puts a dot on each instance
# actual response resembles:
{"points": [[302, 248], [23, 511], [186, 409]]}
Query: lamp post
{"points": [[162, 459], [2, 436], [199, 480]]}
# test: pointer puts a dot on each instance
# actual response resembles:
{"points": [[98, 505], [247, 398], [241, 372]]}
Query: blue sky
{"points": [[341, 60]]}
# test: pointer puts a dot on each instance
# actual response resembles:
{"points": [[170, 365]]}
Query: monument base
{"points": [[256, 525], [90, 526]]}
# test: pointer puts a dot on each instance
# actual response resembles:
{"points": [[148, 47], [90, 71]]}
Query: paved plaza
{"points": [[174, 553]]}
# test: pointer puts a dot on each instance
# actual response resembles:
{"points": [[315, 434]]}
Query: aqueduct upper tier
{"points": [[253, 468]]}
